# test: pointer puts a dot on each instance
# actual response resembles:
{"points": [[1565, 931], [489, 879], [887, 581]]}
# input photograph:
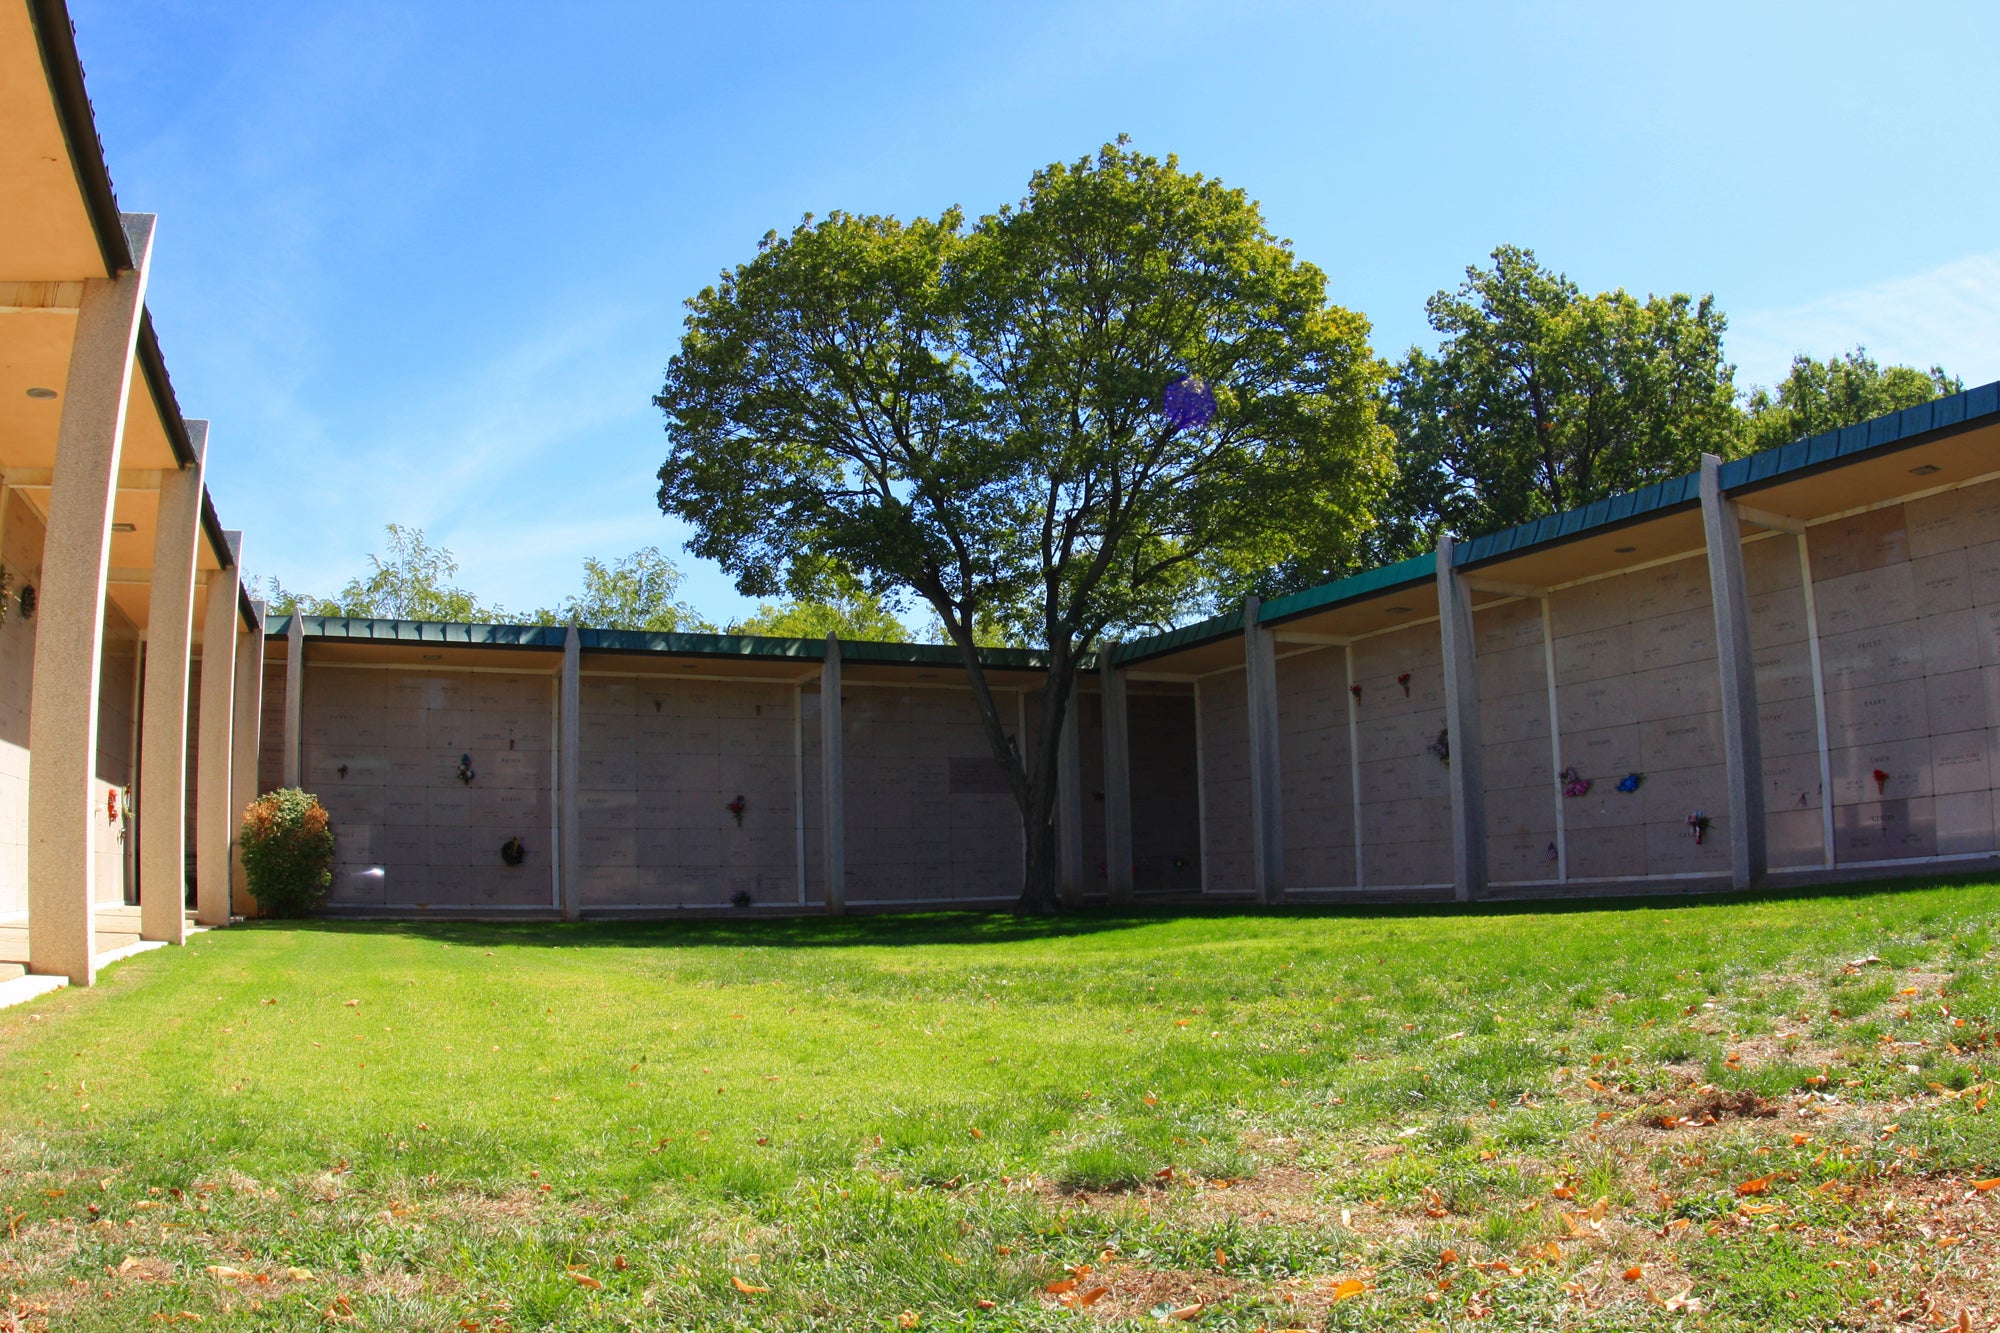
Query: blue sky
{"points": [[424, 263]]}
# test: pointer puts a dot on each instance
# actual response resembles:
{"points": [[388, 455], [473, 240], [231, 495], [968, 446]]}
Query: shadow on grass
{"points": [[1001, 927]]}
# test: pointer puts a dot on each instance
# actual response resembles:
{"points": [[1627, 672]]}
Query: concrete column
{"points": [[213, 790], [1742, 746], [1267, 806], [1461, 714], [1069, 805], [295, 697], [163, 720], [246, 743], [833, 792], [1117, 777], [63, 814], [570, 831]]}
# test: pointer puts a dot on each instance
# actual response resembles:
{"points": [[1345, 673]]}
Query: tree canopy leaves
{"points": [[845, 608], [1541, 398], [1839, 391], [415, 581], [636, 592]]}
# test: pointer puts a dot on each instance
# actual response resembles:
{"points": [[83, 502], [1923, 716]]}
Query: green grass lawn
{"points": [[1663, 1115]]}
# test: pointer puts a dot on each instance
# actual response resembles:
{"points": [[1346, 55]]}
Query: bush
{"points": [[287, 850]]}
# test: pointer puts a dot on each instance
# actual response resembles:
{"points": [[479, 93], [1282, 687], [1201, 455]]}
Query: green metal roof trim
{"points": [[1968, 410], [1417, 569], [357, 629], [1959, 411], [811, 650], [1648, 501], [1187, 636]]}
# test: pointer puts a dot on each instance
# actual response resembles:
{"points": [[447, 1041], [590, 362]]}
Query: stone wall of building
{"points": [[1405, 799], [1637, 693], [21, 557]]}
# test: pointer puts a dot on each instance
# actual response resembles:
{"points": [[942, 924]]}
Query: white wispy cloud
{"points": [[1948, 316]]}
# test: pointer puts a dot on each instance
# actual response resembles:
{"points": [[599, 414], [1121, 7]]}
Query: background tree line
{"points": [[1540, 398]]}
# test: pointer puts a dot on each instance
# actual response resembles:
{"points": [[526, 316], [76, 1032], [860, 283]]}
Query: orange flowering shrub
{"points": [[287, 846]]}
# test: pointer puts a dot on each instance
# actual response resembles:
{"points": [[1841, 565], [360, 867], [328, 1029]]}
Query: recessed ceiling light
{"points": [[41, 393], [1394, 609], [1921, 470], [1624, 550], [124, 527]]}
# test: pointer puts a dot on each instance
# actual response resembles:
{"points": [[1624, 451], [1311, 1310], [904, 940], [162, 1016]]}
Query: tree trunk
{"points": [[1038, 876]]}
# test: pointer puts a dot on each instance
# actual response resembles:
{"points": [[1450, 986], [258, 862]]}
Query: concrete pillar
{"points": [[1267, 806], [214, 793], [1069, 805], [63, 814], [163, 719], [1461, 713], [246, 742], [1117, 777], [833, 792], [295, 697], [1742, 746], [570, 831]]}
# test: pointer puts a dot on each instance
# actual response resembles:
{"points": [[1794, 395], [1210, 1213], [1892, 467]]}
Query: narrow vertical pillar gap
{"points": [[1555, 739], [246, 742], [1200, 787], [833, 783], [1461, 708], [295, 693], [1354, 767], [1118, 849], [799, 788], [1069, 802], [1267, 810], [570, 728], [1819, 703], [833, 791], [1742, 745]]}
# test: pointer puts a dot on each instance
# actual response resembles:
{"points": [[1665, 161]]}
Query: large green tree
{"points": [[1062, 420], [1540, 398], [1840, 391]]}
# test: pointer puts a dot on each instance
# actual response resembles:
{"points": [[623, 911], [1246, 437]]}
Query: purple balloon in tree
{"points": [[1188, 402]]}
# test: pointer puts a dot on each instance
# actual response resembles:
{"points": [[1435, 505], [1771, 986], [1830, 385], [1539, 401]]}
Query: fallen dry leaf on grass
{"points": [[1349, 1289], [1757, 1186]]}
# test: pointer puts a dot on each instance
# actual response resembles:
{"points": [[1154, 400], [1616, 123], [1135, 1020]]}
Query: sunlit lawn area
{"points": [[1661, 1115]]}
